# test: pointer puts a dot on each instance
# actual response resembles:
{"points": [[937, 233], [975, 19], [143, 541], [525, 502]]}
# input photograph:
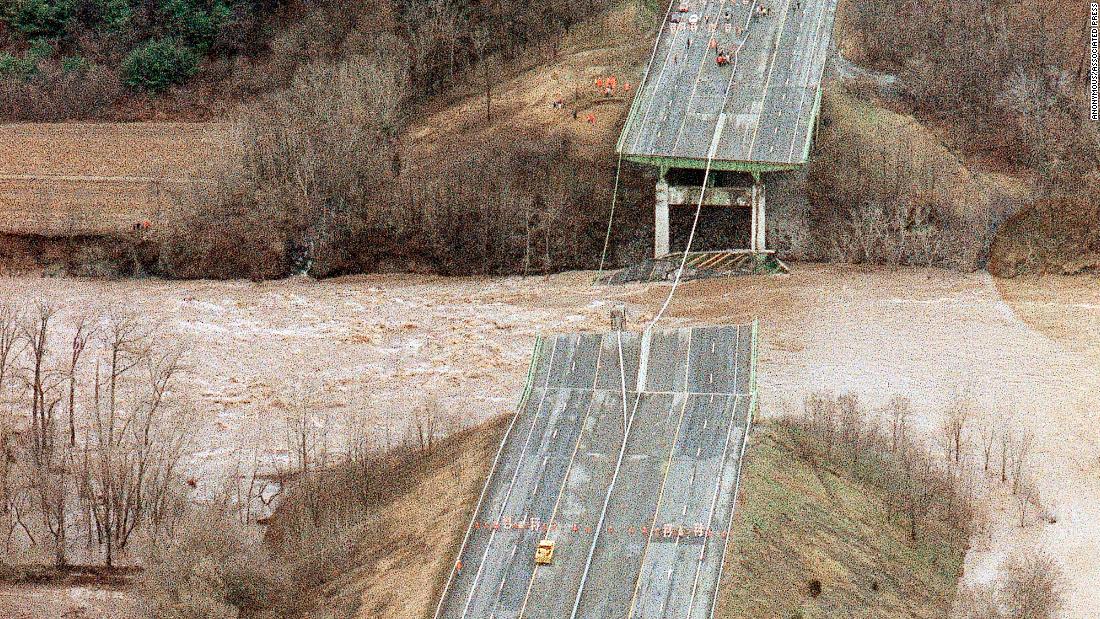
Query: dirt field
{"points": [[370, 349], [63, 179]]}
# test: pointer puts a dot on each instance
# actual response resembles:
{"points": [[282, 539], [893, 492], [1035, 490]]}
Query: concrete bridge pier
{"points": [[660, 220], [667, 196], [757, 237]]}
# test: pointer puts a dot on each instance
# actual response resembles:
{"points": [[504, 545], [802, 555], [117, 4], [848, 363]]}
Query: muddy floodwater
{"points": [[366, 352]]}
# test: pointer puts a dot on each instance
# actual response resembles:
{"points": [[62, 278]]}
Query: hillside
{"points": [[797, 525], [533, 156], [900, 174], [203, 59]]}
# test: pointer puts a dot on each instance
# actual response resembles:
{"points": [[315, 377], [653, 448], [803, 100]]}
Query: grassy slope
{"points": [[869, 133], [406, 549], [614, 43], [791, 527]]}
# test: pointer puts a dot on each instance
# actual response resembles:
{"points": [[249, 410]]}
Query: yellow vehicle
{"points": [[544, 554]]}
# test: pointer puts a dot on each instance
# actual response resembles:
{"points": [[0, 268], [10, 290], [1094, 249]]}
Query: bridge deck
{"points": [[768, 94], [661, 545]]}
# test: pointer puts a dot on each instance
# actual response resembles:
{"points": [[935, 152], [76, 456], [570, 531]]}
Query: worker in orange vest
{"points": [[599, 84], [626, 87], [590, 119]]}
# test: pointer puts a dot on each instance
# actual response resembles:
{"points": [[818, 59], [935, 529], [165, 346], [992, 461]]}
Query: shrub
{"points": [[74, 64], [17, 68], [40, 49], [41, 18], [115, 15], [158, 64], [321, 187], [1031, 587], [53, 94], [1028, 586], [214, 567], [193, 24]]}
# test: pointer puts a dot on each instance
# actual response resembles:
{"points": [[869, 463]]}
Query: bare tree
{"points": [[1019, 457], [427, 417], [1031, 587], [49, 465], [988, 433], [898, 410], [955, 423], [9, 339], [128, 456], [84, 332], [1006, 443], [481, 40]]}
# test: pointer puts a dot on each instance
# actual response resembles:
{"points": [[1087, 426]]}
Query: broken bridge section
{"points": [[626, 452], [769, 94]]}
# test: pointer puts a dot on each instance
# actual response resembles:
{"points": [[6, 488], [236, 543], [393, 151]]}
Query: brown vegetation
{"points": [[56, 95], [90, 433], [370, 535], [324, 187], [1005, 78], [1057, 235], [1028, 586], [260, 46]]}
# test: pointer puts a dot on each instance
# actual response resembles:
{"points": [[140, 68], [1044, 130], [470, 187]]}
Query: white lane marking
{"points": [[710, 515], [691, 98], [660, 74], [821, 17], [643, 363], [512, 484], [565, 477], [771, 71], [485, 489]]}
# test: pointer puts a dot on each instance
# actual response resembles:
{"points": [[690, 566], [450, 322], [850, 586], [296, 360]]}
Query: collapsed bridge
{"points": [[732, 86], [626, 452]]}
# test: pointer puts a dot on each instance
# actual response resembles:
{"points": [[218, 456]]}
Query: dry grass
{"points": [[412, 511], [614, 43], [796, 524]]}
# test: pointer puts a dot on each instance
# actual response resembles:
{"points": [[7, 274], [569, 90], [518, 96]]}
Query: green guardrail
{"points": [[535, 354]]}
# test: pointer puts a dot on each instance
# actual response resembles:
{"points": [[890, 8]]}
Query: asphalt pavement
{"points": [[659, 468], [766, 93]]}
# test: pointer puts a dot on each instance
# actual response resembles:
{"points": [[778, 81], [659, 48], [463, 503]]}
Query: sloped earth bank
{"points": [[369, 350]]}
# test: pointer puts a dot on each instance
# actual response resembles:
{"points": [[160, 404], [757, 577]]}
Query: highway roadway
{"points": [[664, 496], [766, 94]]}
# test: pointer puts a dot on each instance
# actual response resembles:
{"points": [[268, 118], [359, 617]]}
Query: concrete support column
{"points": [[754, 212], [761, 219], [660, 220]]}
